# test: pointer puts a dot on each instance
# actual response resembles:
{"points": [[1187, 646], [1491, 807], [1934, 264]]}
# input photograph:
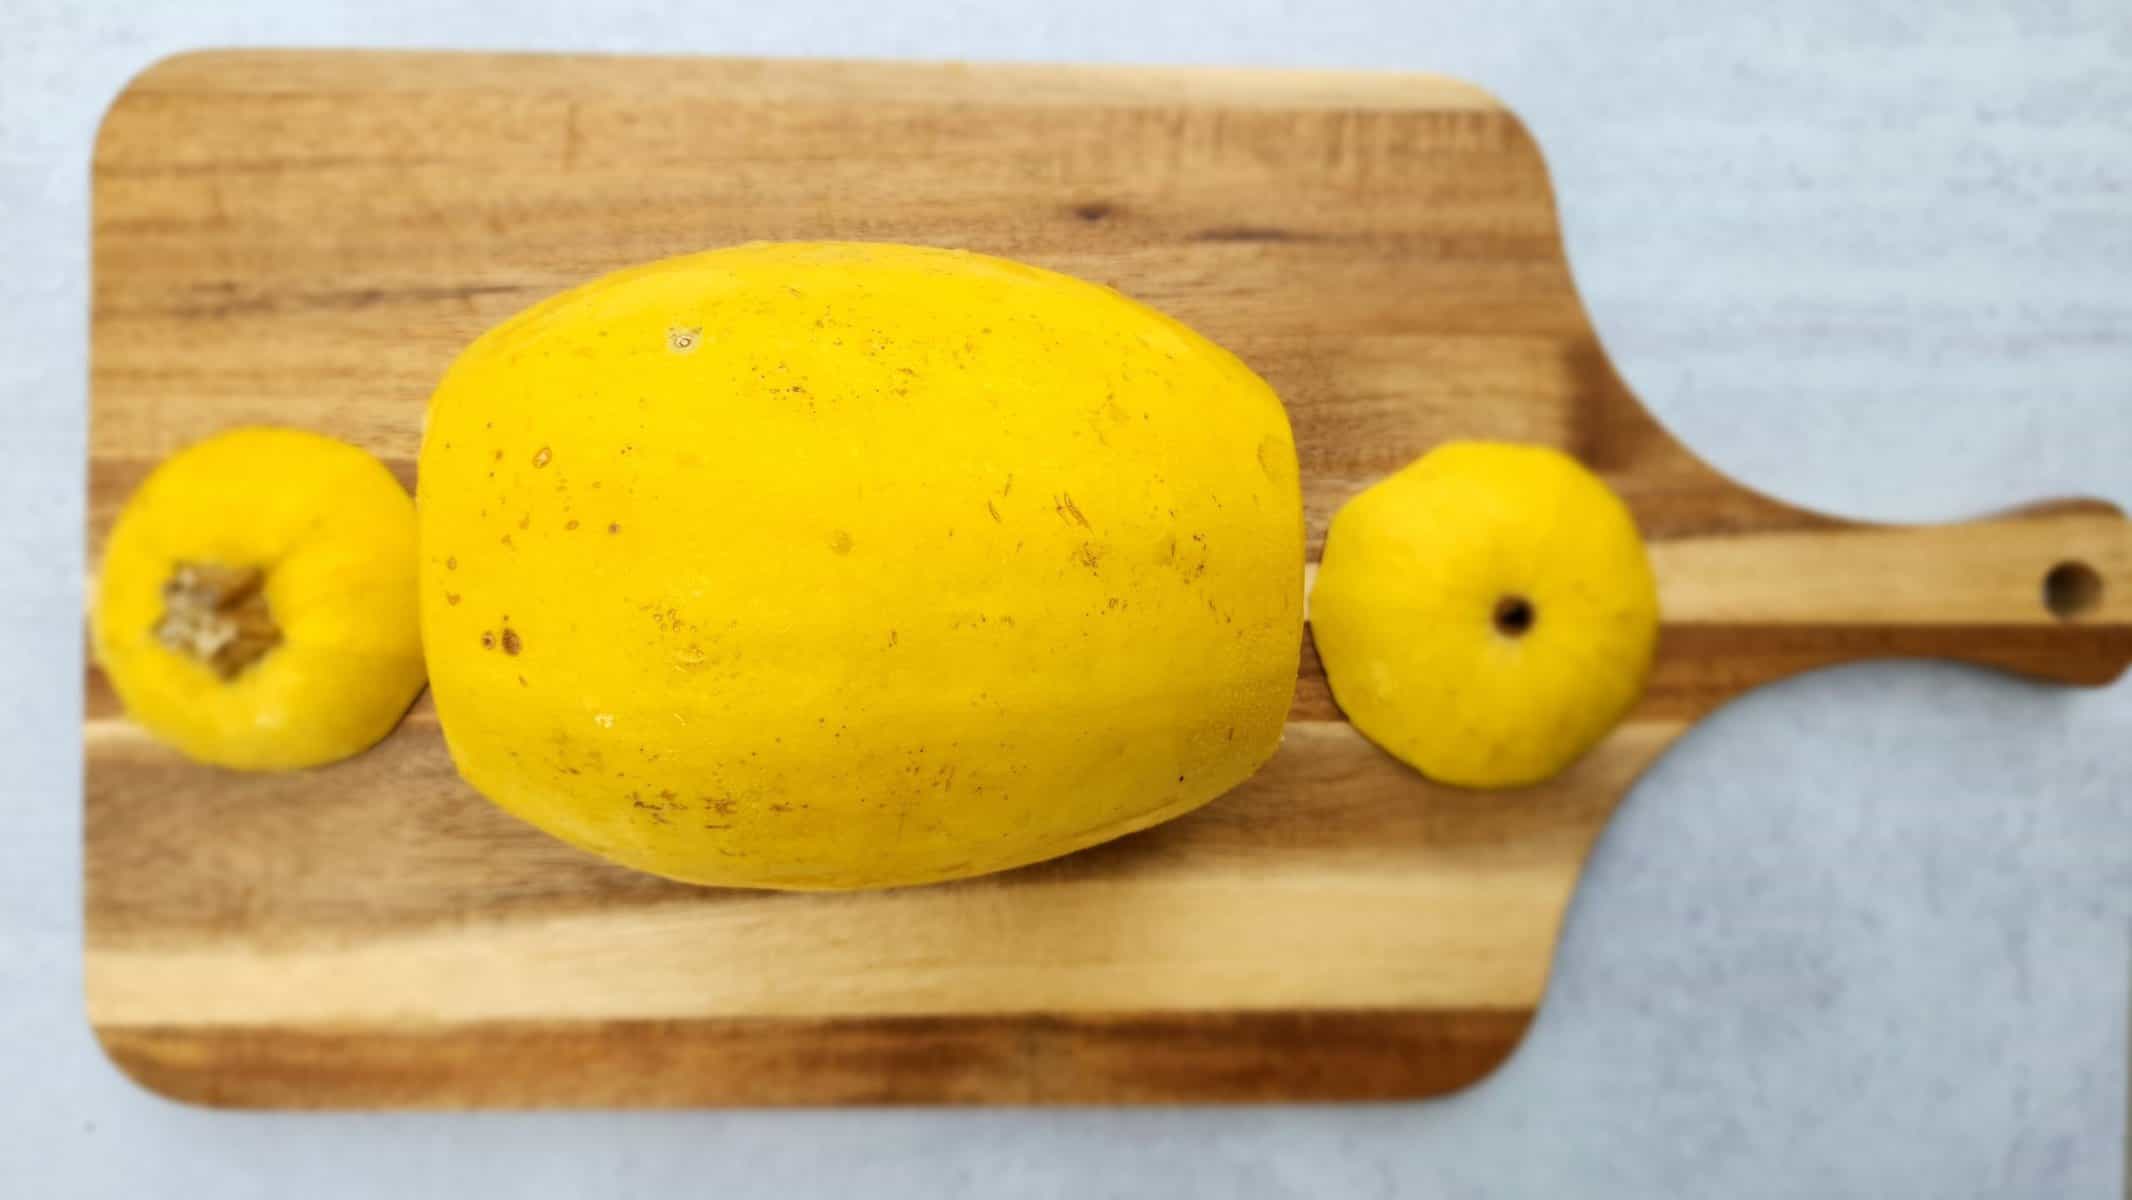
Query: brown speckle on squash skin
{"points": [[541, 457], [488, 640], [1068, 510], [511, 643]]}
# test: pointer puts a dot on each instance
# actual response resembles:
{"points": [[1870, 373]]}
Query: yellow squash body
{"points": [[1487, 614], [838, 565], [328, 536]]}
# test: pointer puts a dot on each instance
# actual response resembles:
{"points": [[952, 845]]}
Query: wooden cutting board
{"points": [[307, 239]]}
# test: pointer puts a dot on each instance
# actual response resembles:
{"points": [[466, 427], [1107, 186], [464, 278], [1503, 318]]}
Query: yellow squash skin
{"points": [[1413, 605], [331, 536], [831, 565]]}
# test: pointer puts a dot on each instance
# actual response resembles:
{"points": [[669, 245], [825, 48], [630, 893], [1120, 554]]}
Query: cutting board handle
{"points": [[2043, 591]]}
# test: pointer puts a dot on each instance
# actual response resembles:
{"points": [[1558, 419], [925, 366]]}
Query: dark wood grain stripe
{"points": [[1186, 1057], [1701, 666]]}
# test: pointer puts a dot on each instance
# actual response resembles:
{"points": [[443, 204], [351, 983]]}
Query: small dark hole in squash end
{"points": [[1514, 616]]}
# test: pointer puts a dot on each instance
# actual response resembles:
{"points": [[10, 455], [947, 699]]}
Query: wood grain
{"points": [[1021, 1058], [308, 239]]}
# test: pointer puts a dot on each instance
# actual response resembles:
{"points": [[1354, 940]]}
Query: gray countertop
{"points": [[1865, 933]]}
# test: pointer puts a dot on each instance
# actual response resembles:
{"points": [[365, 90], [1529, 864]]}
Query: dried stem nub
{"points": [[217, 616]]}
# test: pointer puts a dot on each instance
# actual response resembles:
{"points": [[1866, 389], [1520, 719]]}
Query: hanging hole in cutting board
{"points": [[2071, 589]]}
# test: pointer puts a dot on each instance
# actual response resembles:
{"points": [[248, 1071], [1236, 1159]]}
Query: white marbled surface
{"points": [[1867, 933]]}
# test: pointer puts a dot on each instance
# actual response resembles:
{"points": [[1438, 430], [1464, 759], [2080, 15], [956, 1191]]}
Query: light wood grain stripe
{"points": [[1263, 939], [1978, 573]]}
